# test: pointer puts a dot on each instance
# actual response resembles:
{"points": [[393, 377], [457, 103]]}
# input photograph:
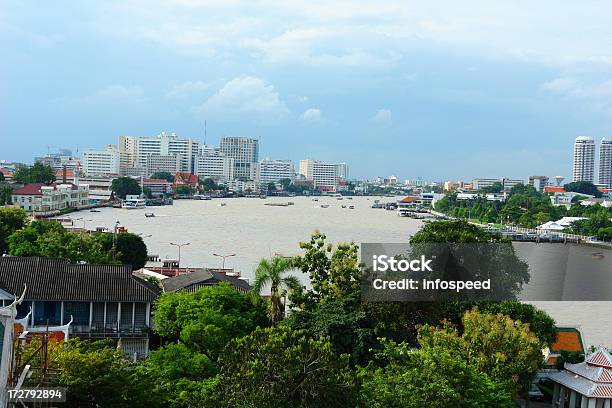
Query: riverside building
{"points": [[244, 151], [605, 162]]}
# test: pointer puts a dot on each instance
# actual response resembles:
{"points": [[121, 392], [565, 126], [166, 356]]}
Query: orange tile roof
{"points": [[568, 339], [553, 189], [409, 199]]}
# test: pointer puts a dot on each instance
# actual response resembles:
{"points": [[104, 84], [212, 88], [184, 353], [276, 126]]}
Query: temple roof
{"points": [[592, 378]]}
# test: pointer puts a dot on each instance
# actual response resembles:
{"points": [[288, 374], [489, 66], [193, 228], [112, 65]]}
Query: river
{"points": [[252, 230]]}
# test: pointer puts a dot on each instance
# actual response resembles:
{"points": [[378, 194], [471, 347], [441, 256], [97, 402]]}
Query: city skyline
{"points": [[392, 88]]}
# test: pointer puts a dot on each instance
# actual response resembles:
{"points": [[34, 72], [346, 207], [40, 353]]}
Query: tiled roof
{"points": [[35, 188], [201, 277], [600, 358], [409, 199], [552, 189], [57, 279], [592, 378], [568, 339]]}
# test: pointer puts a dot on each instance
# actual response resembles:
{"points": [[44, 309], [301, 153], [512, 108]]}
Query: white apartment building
{"points": [[506, 183], [605, 162], [325, 176], [215, 166], [272, 171], [39, 197], [584, 159], [166, 163], [244, 151], [137, 149], [101, 162], [538, 182]]}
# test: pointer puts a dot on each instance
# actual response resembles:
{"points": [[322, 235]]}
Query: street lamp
{"points": [[117, 223], [179, 250], [224, 256]]}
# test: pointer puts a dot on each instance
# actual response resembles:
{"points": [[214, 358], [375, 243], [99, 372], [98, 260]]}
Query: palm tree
{"points": [[273, 272]]}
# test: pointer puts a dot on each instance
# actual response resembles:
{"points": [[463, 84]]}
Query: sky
{"points": [[439, 89]]}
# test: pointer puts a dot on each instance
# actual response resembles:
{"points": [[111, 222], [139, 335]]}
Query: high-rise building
{"points": [[163, 163], [136, 150], [101, 162], [584, 159], [272, 171], [325, 176], [215, 166], [605, 162], [244, 151]]}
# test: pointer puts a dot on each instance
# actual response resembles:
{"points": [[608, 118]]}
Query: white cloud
{"points": [[383, 117], [312, 115], [246, 97], [187, 88], [112, 94], [596, 95], [560, 85], [118, 92]]}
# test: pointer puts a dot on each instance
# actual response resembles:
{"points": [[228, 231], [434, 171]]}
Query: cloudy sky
{"points": [[442, 90]]}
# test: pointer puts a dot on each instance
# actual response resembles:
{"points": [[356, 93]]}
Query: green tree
{"points": [[583, 187], [129, 249], [285, 183], [279, 367], [183, 377], [97, 375], [38, 173], [427, 378], [1, 177], [271, 187], [207, 319], [123, 186], [163, 175], [504, 349], [11, 220], [6, 193], [274, 272], [209, 184], [184, 190]]}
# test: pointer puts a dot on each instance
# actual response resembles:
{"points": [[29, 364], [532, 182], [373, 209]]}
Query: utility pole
{"points": [[179, 250], [224, 257]]}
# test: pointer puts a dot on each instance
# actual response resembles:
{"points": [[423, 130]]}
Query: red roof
{"points": [[6, 172], [605, 190], [410, 199], [35, 188], [60, 173], [552, 189], [156, 181], [185, 178]]}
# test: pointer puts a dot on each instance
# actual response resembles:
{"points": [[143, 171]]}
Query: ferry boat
{"points": [[133, 202]]}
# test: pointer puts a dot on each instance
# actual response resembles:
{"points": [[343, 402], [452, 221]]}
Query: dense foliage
{"points": [[163, 175], [123, 186], [51, 239], [11, 220], [38, 173]]}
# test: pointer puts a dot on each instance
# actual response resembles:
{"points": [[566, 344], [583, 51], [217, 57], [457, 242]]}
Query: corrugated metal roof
{"points": [[57, 279], [201, 276]]}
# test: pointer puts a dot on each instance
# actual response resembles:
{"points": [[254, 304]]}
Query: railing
{"points": [[98, 330]]}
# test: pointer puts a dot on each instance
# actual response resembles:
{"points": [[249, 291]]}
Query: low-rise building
{"points": [[100, 301], [217, 167], [158, 187], [506, 183], [156, 163], [43, 198]]}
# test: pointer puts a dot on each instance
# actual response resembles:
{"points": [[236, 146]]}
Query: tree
{"points": [[271, 187], [504, 349], [97, 375], [285, 183], [1, 177], [163, 175], [583, 187], [271, 272], [427, 378], [209, 184], [128, 248], [38, 173], [182, 377], [207, 319], [279, 367], [11, 220], [6, 193], [183, 190], [123, 186]]}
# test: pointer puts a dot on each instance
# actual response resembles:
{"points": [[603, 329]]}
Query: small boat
{"points": [[201, 197], [221, 204], [349, 198], [351, 207], [324, 205], [94, 210], [315, 199], [149, 215], [277, 204], [290, 203], [343, 206], [339, 198]]}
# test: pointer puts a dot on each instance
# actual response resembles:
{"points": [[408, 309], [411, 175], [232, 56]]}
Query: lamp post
{"points": [[117, 223], [179, 250], [224, 257]]}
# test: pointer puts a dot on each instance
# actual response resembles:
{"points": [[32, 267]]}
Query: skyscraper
{"points": [[605, 162], [584, 159], [244, 151]]}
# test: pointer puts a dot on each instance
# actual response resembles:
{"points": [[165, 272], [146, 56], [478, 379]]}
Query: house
{"points": [[202, 277], [559, 225], [585, 385], [99, 301], [46, 198], [7, 173], [568, 339]]}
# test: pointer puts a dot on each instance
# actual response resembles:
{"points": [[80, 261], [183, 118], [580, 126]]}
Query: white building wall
{"points": [[584, 159], [102, 162]]}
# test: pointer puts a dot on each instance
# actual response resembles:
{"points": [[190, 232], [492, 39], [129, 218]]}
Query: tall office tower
{"points": [[101, 162], [271, 171], [584, 159], [244, 151], [605, 162], [136, 150], [325, 176], [215, 166]]}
